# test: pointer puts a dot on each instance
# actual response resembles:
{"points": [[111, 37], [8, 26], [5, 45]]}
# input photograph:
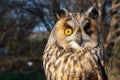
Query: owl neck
{"points": [[55, 49]]}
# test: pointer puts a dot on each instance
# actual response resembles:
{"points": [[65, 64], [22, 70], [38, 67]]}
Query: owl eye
{"points": [[68, 31], [87, 28]]}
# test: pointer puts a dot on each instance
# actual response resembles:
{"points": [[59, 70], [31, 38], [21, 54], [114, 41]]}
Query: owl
{"points": [[74, 50]]}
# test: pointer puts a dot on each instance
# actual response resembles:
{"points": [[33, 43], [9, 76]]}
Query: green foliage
{"points": [[30, 75], [26, 47]]}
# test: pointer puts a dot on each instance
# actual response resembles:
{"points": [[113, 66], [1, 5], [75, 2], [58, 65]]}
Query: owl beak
{"points": [[74, 45]]}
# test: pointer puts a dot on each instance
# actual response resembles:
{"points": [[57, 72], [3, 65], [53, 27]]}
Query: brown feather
{"points": [[63, 61]]}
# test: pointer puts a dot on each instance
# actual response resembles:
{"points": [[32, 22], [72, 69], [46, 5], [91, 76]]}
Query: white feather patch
{"points": [[74, 45]]}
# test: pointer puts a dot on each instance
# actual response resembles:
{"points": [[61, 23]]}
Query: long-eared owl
{"points": [[74, 50]]}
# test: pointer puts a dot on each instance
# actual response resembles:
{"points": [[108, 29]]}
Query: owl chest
{"points": [[69, 62], [61, 63]]}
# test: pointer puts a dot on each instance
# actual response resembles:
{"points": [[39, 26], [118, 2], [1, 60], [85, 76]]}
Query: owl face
{"points": [[74, 31]]}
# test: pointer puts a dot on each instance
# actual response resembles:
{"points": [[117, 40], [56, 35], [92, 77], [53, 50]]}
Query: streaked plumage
{"points": [[73, 50]]}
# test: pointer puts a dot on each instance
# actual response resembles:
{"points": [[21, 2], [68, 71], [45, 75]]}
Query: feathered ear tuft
{"points": [[62, 13], [92, 12]]}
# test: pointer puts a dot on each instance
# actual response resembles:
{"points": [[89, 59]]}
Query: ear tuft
{"points": [[62, 13], [92, 12]]}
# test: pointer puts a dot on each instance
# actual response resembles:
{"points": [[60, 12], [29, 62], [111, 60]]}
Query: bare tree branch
{"points": [[113, 7], [117, 39]]}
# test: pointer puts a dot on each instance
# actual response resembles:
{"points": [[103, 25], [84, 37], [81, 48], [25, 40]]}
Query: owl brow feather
{"points": [[72, 17]]}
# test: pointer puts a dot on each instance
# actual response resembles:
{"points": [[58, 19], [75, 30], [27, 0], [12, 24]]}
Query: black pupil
{"points": [[68, 31]]}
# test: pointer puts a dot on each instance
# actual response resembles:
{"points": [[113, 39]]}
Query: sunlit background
{"points": [[26, 24]]}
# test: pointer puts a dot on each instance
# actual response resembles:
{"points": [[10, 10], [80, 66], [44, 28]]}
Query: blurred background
{"points": [[26, 24]]}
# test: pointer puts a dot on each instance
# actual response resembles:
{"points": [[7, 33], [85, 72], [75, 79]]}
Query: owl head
{"points": [[73, 30]]}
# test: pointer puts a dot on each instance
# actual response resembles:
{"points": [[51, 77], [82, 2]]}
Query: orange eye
{"points": [[68, 31]]}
